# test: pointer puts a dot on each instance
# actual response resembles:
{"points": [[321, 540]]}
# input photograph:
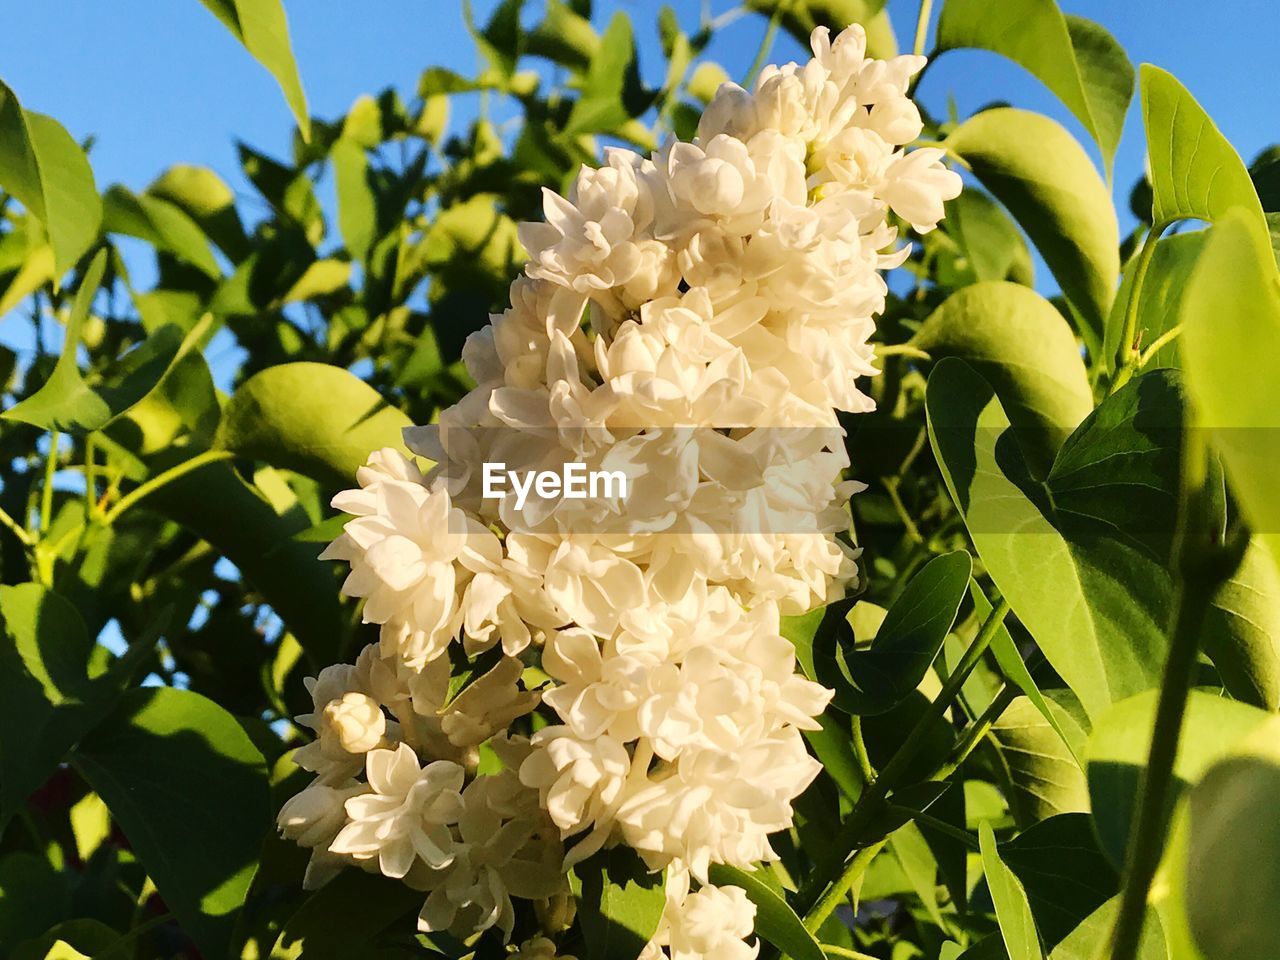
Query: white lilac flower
{"points": [[406, 815], [694, 320]]}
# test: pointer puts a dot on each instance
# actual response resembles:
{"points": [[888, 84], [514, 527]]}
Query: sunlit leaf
{"points": [[46, 170], [261, 26], [1075, 58], [1038, 170], [319, 420]]}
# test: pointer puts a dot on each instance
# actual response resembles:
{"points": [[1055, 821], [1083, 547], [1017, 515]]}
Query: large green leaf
{"points": [[1195, 172], [1038, 170], [619, 903], [874, 680], [1069, 553], [1013, 910], [1121, 741], [1065, 874], [47, 701], [261, 26], [1075, 58], [46, 170], [66, 402], [189, 790], [1233, 880], [319, 420], [1083, 557], [1231, 352], [1024, 348], [775, 920]]}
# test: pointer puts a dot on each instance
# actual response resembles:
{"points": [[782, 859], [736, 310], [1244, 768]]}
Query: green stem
{"points": [[16, 529], [833, 878], [941, 826], [831, 950], [766, 43], [838, 892], [901, 350], [974, 733], [1158, 344], [46, 491], [1128, 347], [860, 754], [91, 476], [1203, 562], [155, 483], [922, 27]]}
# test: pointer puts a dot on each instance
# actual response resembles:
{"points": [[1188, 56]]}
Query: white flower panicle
{"points": [[694, 321]]}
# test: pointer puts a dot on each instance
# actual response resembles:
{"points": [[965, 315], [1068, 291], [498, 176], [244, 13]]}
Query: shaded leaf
{"points": [[189, 790]]}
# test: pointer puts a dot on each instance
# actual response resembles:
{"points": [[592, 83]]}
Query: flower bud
{"points": [[356, 721]]}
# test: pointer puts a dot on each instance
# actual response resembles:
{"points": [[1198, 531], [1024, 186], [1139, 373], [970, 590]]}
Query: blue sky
{"points": [[158, 82]]}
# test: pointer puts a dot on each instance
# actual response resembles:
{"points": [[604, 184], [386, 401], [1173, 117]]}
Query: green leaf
{"points": [[1082, 562], [611, 91], [319, 420], [160, 223], [918, 863], [1233, 883], [66, 402], [799, 17], [189, 790], [1024, 348], [357, 205], [236, 518], [346, 918], [47, 701], [1078, 60], [46, 170], [619, 903], [204, 197], [263, 30], [1163, 288], [1043, 176], [1195, 172], [989, 240], [1231, 352], [1065, 874], [1015, 671], [1088, 940], [875, 680], [1041, 762], [1013, 911], [1120, 743], [775, 920]]}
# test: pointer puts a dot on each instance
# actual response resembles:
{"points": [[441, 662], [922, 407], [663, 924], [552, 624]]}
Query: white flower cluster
{"points": [[694, 319]]}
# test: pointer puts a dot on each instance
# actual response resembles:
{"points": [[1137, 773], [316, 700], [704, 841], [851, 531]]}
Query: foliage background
{"points": [[187, 588]]}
